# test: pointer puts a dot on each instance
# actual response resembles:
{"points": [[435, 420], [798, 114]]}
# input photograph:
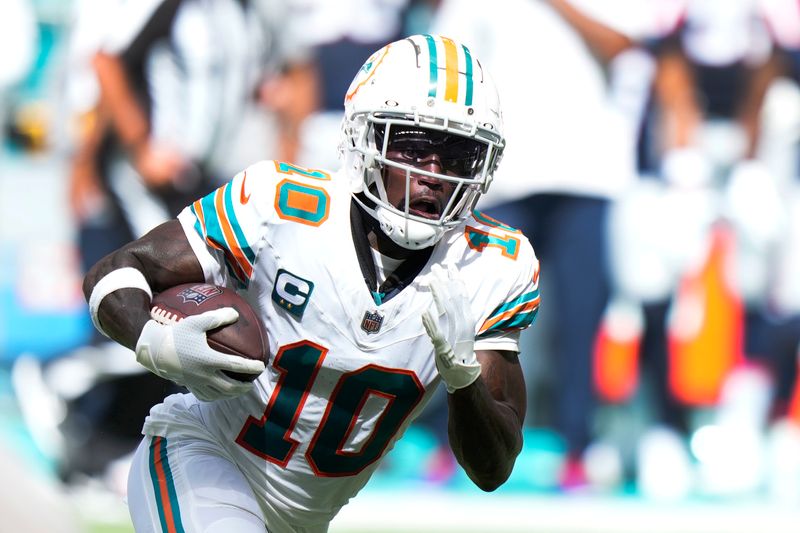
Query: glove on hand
{"points": [[450, 320], [180, 352]]}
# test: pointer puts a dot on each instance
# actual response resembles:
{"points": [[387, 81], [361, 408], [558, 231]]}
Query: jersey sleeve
{"points": [[134, 26], [228, 227], [514, 307]]}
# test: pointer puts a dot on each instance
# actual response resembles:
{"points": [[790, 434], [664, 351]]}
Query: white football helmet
{"points": [[430, 90]]}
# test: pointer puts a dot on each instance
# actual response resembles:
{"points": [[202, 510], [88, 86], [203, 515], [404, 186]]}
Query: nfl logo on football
{"points": [[372, 322], [199, 293]]}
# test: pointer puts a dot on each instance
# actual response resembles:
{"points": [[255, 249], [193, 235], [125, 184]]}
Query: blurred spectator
{"points": [[165, 103], [179, 80], [704, 277], [549, 59], [342, 35], [18, 33], [779, 148], [98, 218]]}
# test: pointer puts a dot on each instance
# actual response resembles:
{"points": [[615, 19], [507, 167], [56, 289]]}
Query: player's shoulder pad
{"points": [[492, 238], [270, 179], [274, 171], [499, 263]]}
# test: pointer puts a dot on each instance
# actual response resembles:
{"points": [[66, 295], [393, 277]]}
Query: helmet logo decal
{"points": [[366, 71], [450, 69]]}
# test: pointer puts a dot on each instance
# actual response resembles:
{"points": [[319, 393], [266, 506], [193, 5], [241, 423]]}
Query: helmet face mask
{"points": [[418, 158]]}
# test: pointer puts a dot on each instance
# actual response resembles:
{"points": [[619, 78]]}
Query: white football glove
{"points": [[450, 321], [180, 352]]}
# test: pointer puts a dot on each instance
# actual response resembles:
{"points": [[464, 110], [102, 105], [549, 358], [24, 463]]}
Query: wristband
{"points": [[122, 278]]}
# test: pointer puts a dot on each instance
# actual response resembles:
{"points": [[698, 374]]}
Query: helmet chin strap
{"points": [[410, 234]]}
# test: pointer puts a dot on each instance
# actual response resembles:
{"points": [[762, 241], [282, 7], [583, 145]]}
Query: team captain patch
{"points": [[371, 323]]}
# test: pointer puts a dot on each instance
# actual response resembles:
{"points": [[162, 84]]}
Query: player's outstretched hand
{"points": [[449, 320], [180, 352]]}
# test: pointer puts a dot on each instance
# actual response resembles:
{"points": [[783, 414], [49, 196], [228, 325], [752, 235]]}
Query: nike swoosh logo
{"points": [[242, 198]]}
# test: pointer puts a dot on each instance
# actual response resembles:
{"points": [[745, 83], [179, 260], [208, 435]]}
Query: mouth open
{"points": [[429, 208]]}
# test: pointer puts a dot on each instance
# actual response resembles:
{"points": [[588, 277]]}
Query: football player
{"points": [[376, 284]]}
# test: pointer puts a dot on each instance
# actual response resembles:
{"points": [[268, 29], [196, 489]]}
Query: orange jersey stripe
{"points": [[230, 238], [523, 308], [201, 216], [198, 209], [169, 518]]}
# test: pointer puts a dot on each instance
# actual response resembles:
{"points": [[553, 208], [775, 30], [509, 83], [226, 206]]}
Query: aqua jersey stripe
{"points": [[173, 496], [434, 66], [468, 61], [237, 229], [213, 229], [177, 524], [214, 233], [518, 321], [527, 297], [156, 489], [197, 227]]}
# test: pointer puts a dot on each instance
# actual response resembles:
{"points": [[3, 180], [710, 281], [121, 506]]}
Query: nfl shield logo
{"points": [[199, 293], [372, 322]]}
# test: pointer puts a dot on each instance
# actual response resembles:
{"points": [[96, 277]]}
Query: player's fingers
{"points": [[445, 358], [458, 287], [241, 387], [228, 387], [214, 318], [439, 297], [452, 272], [204, 393], [235, 363], [429, 324], [438, 273]]}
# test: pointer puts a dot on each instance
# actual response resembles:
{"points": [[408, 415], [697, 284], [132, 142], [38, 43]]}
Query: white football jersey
{"points": [[346, 376]]}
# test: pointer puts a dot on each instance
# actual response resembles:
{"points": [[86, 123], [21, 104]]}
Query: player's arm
{"points": [[165, 258], [606, 42], [759, 80], [127, 116], [674, 93], [485, 419], [486, 389], [158, 164], [119, 290]]}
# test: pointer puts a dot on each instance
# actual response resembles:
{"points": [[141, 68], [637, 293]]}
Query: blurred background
{"points": [[652, 160]]}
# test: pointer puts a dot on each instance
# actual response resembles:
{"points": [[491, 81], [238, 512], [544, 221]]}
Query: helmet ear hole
{"points": [[369, 159]]}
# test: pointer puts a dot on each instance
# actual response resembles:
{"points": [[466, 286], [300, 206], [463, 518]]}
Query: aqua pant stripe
{"points": [[169, 512]]}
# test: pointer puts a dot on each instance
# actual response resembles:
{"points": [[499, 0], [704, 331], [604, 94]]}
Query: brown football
{"points": [[246, 337]]}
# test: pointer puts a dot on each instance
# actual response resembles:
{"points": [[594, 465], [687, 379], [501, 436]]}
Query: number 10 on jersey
{"points": [[298, 364]]}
